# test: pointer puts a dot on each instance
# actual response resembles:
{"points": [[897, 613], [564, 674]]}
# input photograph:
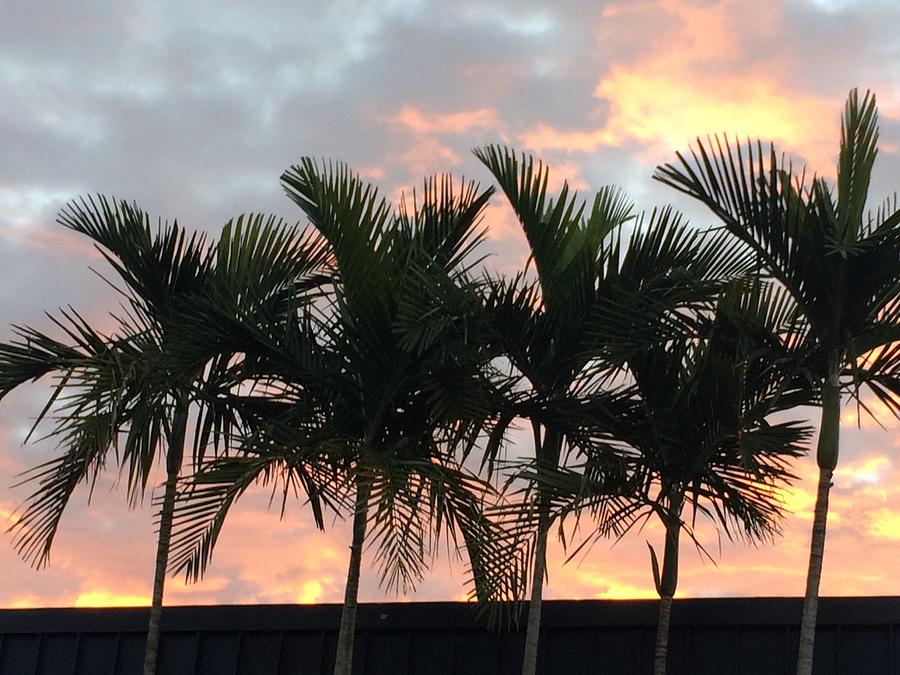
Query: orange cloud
{"points": [[544, 137], [866, 470], [665, 112], [798, 500], [310, 592], [415, 120], [679, 90], [611, 587], [885, 524], [105, 598], [872, 414]]}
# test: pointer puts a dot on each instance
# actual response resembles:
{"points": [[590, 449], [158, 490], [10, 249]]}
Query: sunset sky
{"points": [[194, 110]]}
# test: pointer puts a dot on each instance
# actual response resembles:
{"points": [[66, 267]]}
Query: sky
{"points": [[194, 109]]}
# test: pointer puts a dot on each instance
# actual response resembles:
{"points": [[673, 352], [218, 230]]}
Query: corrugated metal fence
{"points": [[746, 636]]}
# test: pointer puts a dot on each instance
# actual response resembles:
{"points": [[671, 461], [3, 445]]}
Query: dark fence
{"points": [[747, 636]]}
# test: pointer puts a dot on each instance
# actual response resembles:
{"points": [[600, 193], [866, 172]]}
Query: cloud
{"points": [[697, 77], [885, 524], [428, 137], [195, 109], [412, 119], [666, 110], [869, 413], [868, 470], [106, 598]]}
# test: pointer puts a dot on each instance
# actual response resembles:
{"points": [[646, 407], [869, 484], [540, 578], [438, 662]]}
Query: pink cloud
{"points": [[432, 140], [263, 559], [53, 240], [413, 119], [372, 172], [428, 155]]}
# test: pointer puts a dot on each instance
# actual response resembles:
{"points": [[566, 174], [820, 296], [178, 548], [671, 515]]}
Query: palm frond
{"points": [[155, 266], [859, 141], [553, 226], [87, 440]]}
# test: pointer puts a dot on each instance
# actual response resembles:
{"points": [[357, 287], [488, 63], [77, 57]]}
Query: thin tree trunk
{"points": [[174, 457], [668, 582], [548, 457], [533, 629], [343, 661], [826, 456], [814, 576], [662, 635]]}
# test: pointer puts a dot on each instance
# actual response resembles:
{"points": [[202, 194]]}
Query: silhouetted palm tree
{"points": [[840, 265], [553, 328], [704, 438], [118, 391], [382, 384]]}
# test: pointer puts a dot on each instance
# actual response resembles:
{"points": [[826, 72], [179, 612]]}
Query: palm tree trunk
{"points": [[343, 661], [548, 457], [662, 635], [668, 582], [826, 456], [533, 629], [174, 458]]}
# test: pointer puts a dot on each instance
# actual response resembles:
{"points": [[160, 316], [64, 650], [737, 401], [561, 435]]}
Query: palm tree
{"points": [[549, 328], [839, 264], [698, 439], [381, 382], [119, 391]]}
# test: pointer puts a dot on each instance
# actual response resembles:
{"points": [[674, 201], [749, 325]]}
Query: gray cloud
{"points": [[194, 110]]}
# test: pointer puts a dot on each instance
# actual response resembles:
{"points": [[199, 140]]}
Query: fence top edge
{"points": [[693, 612]]}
